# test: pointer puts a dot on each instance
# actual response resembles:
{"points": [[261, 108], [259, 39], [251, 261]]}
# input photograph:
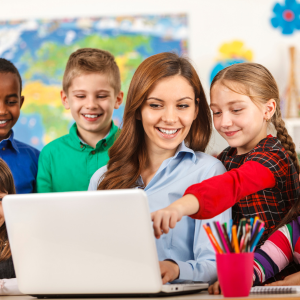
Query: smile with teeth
{"points": [[3, 121], [91, 116], [168, 131]]}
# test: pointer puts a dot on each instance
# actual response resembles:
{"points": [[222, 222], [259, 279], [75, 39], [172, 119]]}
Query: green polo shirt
{"points": [[66, 164]]}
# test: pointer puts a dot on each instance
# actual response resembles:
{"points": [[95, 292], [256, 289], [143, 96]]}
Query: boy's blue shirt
{"points": [[187, 244], [22, 160]]}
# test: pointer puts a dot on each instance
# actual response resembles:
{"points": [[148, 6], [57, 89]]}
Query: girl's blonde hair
{"points": [[6, 186], [256, 82]]}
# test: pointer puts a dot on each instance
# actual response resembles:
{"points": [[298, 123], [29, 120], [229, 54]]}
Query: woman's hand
{"points": [[169, 271], [293, 279], [166, 218], [214, 289]]}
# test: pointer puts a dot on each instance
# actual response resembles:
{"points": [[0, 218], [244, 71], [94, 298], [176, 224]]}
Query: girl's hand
{"points": [[166, 218], [214, 289], [293, 279], [169, 271]]}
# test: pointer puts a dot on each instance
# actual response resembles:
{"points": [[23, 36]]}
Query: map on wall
{"points": [[40, 50]]}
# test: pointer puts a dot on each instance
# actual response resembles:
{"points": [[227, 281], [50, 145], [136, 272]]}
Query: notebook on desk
{"points": [[275, 290], [86, 244]]}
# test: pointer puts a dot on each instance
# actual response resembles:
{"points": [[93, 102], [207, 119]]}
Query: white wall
{"points": [[211, 23]]}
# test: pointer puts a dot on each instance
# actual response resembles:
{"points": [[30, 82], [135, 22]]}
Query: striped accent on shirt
{"points": [[277, 252]]}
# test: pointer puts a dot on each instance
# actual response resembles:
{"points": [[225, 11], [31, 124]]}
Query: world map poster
{"points": [[40, 50]]}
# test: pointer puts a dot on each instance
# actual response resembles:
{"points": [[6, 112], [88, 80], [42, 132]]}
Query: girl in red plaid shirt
{"points": [[262, 178]]}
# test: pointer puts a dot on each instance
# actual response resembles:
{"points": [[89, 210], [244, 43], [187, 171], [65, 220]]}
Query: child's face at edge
{"points": [[11, 102], [168, 113], [240, 121], [92, 99]]}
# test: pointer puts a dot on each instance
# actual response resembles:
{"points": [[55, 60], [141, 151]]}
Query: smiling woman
{"points": [[166, 125], [158, 83]]}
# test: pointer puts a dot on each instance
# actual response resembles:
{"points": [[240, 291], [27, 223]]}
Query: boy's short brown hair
{"points": [[91, 60]]}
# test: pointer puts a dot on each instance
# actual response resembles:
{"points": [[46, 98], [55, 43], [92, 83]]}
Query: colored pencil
{"points": [[261, 226], [251, 222], [250, 232], [241, 230], [255, 232], [227, 239], [213, 239], [219, 236], [235, 240], [255, 220], [222, 237], [259, 235], [229, 230]]}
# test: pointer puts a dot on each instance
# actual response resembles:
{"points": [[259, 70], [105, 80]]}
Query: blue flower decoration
{"points": [[287, 16]]}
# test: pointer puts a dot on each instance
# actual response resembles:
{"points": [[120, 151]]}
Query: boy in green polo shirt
{"points": [[91, 90]]}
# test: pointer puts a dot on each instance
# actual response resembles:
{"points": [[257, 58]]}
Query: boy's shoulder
{"points": [[57, 144], [23, 146]]}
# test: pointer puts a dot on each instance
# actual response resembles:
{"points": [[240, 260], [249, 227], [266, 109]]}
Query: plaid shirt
{"points": [[271, 204]]}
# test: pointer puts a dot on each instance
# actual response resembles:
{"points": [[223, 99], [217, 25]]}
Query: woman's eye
{"points": [[154, 105], [183, 106], [216, 113]]}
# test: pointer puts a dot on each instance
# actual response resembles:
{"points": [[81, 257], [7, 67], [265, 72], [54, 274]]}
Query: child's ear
{"points": [[196, 109], [22, 101], [64, 100], [119, 100], [270, 109]]}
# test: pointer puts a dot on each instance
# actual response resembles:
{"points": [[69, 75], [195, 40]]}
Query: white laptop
{"points": [[86, 244]]}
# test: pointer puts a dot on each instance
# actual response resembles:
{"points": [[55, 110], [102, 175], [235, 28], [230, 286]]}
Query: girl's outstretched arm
{"points": [[213, 196], [166, 218]]}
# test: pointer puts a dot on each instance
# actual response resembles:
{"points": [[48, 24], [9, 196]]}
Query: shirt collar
{"points": [[181, 150], [111, 135], [80, 142], [83, 142], [12, 141]]}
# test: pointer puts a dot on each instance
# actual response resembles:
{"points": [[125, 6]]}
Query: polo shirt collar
{"points": [[12, 141], [111, 135], [76, 138]]}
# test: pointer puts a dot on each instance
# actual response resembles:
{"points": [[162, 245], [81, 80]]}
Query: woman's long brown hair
{"points": [[6, 186], [128, 154]]}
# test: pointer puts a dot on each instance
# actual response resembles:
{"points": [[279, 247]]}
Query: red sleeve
{"points": [[221, 192]]}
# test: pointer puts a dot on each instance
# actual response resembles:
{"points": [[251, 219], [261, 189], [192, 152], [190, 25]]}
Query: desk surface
{"points": [[202, 296]]}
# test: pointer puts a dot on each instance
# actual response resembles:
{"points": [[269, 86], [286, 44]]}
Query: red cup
{"points": [[235, 273]]}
